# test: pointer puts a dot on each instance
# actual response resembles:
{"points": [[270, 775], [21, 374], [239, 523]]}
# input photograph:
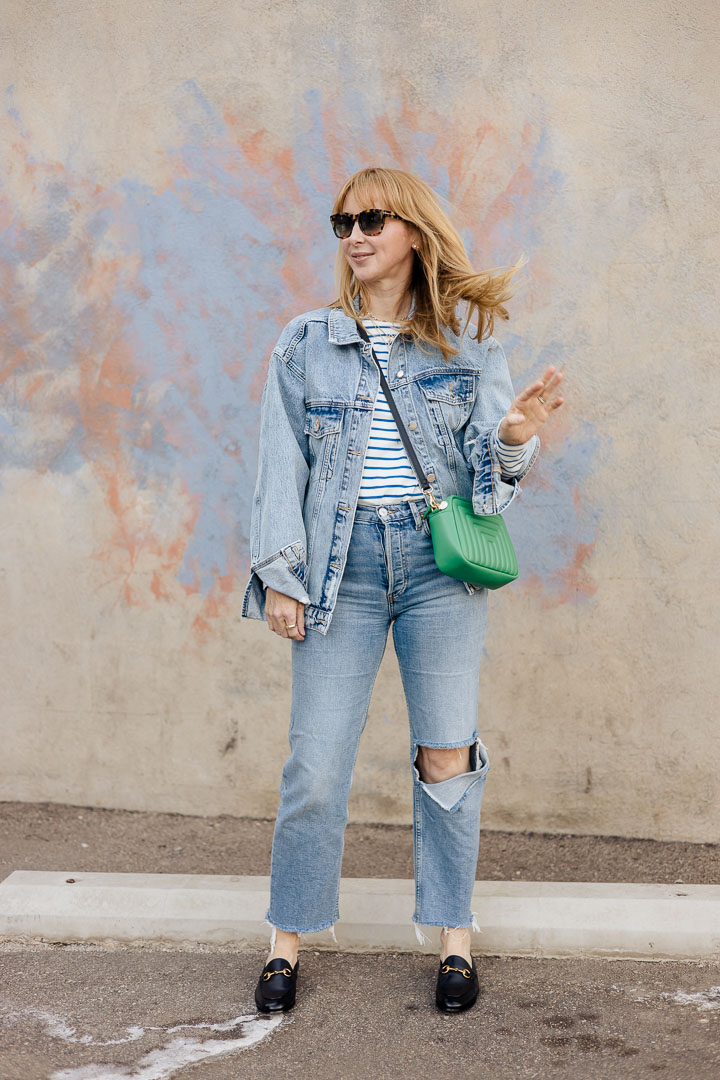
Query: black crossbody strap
{"points": [[424, 483]]}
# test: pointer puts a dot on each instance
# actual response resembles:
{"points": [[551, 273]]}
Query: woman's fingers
{"points": [[552, 384], [281, 612], [551, 380], [282, 625], [531, 390], [300, 616], [297, 632], [542, 387]]}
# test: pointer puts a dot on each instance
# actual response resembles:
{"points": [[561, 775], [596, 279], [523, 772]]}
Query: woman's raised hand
{"points": [[528, 413], [281, 611]]}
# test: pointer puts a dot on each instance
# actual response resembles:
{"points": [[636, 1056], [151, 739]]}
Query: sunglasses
{"points": [[371, 222]]}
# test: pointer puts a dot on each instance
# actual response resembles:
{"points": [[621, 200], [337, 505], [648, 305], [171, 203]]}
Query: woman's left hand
{"points": [[527, 414]]}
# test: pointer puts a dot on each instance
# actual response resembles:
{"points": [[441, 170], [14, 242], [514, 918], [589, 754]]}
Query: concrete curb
{"points": [[518, 918]]}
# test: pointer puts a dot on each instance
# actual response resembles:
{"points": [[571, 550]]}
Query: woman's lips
{"points": [[361, 258]]}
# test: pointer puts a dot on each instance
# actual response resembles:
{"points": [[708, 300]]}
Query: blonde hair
{"points": [[442, 274]]}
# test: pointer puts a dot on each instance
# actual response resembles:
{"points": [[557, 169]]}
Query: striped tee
{"points": [[387, 474]]}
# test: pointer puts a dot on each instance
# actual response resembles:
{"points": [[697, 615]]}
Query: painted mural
{"points": [[139, 319]]}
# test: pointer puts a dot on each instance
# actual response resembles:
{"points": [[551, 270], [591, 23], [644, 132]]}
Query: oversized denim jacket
{"points": [[315, 416]]}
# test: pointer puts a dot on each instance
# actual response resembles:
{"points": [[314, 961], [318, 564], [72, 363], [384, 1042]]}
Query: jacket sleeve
{"points": [[492, 493], [277, 529]]}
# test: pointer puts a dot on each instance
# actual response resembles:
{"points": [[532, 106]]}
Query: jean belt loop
{"points": [[414, 506]]}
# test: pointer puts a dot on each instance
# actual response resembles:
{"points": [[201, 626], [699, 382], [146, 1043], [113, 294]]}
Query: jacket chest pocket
{"points": [[450, 396], [323, 424]]}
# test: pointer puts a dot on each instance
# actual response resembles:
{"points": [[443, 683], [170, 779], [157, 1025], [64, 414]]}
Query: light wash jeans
{"points": [[390, 579]]}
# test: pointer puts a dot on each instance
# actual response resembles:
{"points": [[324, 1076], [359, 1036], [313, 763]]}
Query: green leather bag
{"points": [[471, 547]]}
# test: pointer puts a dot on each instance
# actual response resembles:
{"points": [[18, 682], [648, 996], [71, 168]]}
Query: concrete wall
{"points": [[168, 170]]}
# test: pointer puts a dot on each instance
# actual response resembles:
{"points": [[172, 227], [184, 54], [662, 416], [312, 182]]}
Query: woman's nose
{"points": [[357, 236]]}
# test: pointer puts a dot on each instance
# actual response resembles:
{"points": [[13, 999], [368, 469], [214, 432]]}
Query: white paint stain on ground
{"points": [[59, 1028], [705, 1000], [158, 1064]]}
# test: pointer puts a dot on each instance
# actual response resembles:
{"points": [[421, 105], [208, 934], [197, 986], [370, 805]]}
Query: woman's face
{"points": [[388, 255]]}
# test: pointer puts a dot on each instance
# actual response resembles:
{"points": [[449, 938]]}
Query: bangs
{"points": [[370, 193]]}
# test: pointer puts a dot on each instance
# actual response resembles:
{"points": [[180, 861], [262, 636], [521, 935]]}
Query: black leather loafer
{"points": [[457, 984], [275, 991]]}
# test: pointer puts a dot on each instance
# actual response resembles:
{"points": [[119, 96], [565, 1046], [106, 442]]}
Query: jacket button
{"points": [[317, 423], [400, 373], [412, 425], [431, 476]]}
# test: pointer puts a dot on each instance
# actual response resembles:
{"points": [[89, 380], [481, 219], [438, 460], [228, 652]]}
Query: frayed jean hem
{"points": [[300, 930], [424, 939]]}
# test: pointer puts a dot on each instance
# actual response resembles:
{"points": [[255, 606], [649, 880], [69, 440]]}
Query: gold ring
{"points": [[541, 400], [290, 625]]}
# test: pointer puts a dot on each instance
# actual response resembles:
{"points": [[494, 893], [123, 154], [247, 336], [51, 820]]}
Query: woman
{"points": [[340, 546]]}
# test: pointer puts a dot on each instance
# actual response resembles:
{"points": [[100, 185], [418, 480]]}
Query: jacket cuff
{"points": [[515, 458], [491, 494], [285, 571]]}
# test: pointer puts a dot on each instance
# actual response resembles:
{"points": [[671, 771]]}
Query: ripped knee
{"points": [[456, 781], [438, 763]]}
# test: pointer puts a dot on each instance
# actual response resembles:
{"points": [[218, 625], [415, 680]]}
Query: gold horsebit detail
{"points": [[463, 971], [280, 971]]}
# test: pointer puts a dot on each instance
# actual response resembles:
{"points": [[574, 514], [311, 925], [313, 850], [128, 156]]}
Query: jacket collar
{"points": [[342, 329]]}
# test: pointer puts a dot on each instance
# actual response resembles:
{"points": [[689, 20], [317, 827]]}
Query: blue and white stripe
{"points": [[387, 474], [513, 458]]}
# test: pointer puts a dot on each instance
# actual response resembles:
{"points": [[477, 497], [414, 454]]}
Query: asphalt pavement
{"points": [[93, 1013], [109, 1012]]}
